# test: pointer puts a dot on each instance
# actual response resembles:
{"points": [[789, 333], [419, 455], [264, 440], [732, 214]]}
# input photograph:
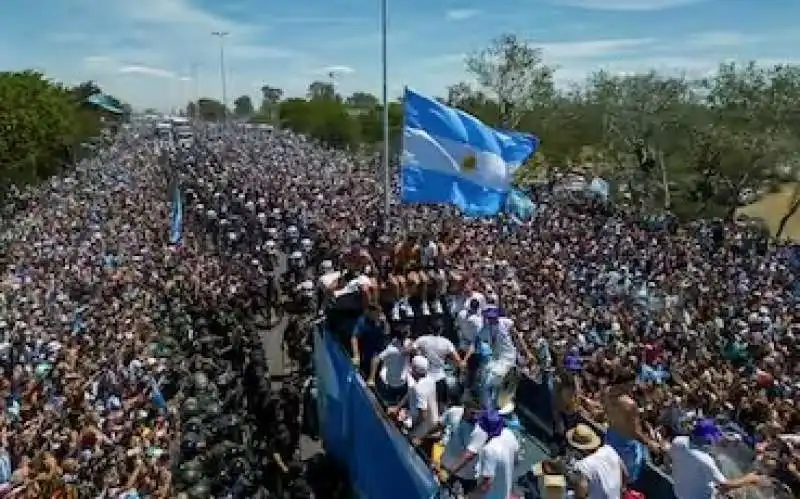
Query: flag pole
{"points": [[387, 176]]}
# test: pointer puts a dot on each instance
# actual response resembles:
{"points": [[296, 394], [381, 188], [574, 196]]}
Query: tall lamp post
{"points": [[387, 176], [221, 35]]}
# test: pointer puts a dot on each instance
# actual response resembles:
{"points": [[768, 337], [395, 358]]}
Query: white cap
{"points": [[419, 364]]}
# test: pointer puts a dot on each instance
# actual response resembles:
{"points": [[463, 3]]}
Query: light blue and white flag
{"points": [[176, 229], [451, 157], [600, 188], [519, 206]]}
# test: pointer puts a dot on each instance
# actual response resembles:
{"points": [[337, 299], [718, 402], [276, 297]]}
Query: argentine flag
{"points": [[451, 157]]}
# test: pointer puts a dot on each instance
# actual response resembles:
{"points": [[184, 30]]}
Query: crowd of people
{"points": [[649, 330], [133, 366]]}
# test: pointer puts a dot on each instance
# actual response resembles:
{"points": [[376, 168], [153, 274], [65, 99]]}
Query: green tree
{"points": [[514, 75], [743, 141], [320, 90], [325, 120], [48, 124], [270, 98], [362, 100], [209, 110], [85, 90], [243, 106]]}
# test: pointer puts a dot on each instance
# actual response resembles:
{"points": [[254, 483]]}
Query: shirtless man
{"points": [[406, 279], [625, 433], [357, 261]]}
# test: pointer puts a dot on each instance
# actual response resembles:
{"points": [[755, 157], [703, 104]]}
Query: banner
{"points": [[357, 433], [176, 232]]}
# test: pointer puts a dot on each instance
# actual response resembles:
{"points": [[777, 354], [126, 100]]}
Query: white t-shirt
{"points": [[461, 436], [499, 337], [503, 345], [496, 461], [422, 397], [695, 473], [468, 327], [395, 365], [603, 469], [436, 349]]}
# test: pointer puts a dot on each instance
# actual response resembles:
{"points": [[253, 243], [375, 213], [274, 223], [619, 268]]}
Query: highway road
{"points": [[272, 342]]}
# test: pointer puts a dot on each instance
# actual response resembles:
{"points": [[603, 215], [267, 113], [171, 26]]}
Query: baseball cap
{"points": [[705, 431], [491, 422], [491, 313]]}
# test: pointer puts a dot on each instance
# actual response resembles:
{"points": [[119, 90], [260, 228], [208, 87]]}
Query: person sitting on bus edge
{"points": [[403, 256], [433, 275], [414, 262], [368, 337], [358, 262]]}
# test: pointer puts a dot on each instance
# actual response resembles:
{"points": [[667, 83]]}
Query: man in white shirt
{"points": [[695, 473], [469, 323], [496, 333], [393, 362], [601, 475], [463, 438], [438, 350], [497, 459], [422, 413]]}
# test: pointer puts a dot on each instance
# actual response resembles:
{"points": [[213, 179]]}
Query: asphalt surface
{"points": [[279, 367]]}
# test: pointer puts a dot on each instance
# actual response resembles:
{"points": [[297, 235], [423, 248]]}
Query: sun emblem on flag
{"points": [[469, 163]]}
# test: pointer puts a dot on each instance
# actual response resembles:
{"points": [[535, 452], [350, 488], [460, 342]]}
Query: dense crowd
{"points": [[645, 328]]}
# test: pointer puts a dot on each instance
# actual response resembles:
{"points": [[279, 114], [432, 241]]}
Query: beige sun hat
{"points": [[583, 437]]}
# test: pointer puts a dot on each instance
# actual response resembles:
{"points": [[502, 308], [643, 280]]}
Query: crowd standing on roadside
{"points": [[644, 328]]}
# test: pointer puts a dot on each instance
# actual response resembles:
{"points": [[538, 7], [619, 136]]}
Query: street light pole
{"points": [[221, 35], [387, 176]]}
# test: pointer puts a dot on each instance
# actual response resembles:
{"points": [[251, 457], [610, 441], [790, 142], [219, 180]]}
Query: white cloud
{"points": [[461, 14], [339, 69], [177, 14], [592, 48], [629, 5], [147, 71], [723, 39]]}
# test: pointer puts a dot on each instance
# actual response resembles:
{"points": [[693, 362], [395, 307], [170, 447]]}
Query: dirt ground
{"points": [[771, 208]]}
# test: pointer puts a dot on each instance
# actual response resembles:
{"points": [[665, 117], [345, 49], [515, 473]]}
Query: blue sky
{"points": [[144, 50]]}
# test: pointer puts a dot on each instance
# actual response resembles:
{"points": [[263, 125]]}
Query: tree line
{"points": [[699, 147], [47, 125]]}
